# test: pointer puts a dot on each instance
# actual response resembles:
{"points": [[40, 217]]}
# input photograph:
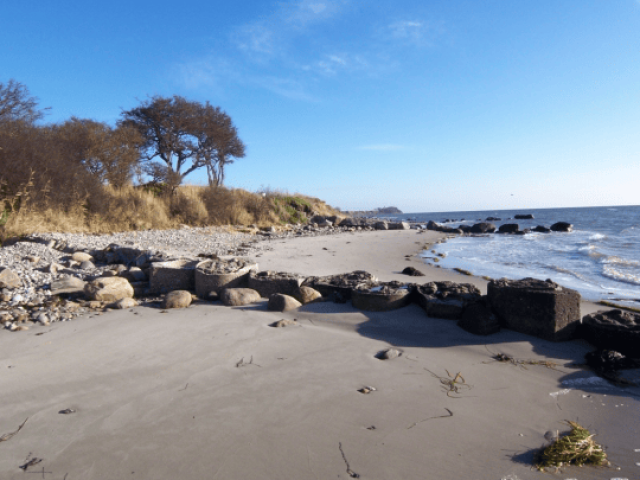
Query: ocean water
{"points": [[600, 258]]}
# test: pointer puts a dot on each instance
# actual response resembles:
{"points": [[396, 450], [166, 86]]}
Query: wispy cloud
{"points": [[416, 32], [383, 147]]}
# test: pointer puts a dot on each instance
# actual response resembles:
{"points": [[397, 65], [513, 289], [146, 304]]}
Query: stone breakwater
{"points": [[35, 270]]}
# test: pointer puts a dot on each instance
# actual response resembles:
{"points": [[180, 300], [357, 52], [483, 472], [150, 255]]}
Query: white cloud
{"points": [[384, 147], [416, 32]]}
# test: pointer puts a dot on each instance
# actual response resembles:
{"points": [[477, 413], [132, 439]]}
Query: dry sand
{"points": [[216, 393]]}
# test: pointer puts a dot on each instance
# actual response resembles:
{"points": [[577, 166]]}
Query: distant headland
{"points": [[375, 212]]}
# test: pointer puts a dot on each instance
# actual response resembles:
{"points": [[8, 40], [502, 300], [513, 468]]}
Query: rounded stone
{"points": [[279, 302], [177, 299]]}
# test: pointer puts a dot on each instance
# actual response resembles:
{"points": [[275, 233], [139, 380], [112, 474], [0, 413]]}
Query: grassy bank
{"points": [[154, 207]]}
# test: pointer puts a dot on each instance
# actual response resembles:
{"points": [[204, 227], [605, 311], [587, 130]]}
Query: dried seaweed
{"points": [[575, 448], [8, 436]]}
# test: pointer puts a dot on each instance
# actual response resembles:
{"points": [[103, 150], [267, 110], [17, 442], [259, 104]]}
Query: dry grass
{"points": [[108, 209]]}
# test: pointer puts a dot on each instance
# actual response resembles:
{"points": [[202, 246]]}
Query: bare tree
{"points": [[185, 136], [16, 104]]}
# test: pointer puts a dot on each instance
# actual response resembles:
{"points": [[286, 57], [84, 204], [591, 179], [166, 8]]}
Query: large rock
{"points": [[482, 227], [173, 275], [446, 299], [477, 318], [237, 297], [108, 289], [267, 283], [307, 295], [561, 227], [177, 299], [399, 226], [282, 303], [509, 228], [381, 226], [541, 229], [8, 279], [525, 216], [67, 285], [381, 297], [613, 330], [540, 308]]}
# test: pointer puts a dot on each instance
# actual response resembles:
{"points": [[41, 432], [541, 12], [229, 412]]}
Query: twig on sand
{"points": [[8, 436], [520, 362], [350, 472], [430, 418], [242, 363], [185, 387], [453, 384]]}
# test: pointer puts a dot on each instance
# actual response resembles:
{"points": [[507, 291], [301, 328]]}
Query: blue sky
{"points": [[426, 105]]}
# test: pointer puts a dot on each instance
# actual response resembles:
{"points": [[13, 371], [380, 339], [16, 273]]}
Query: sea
{"points": [[600, 258]]}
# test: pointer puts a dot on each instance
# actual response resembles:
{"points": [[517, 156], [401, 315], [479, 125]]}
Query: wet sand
{"points": [[215, 392]]}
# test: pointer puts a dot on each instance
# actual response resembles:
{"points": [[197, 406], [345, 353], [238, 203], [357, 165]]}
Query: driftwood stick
{"points": [[8, 436]]}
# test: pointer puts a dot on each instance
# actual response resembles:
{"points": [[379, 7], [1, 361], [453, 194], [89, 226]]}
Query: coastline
{"points": [[161, 395]]}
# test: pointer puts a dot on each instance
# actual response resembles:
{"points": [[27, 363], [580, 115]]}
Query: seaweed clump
{"points": [[575, 448]]}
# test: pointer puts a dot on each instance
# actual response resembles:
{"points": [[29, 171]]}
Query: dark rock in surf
{"points": [[482, 227], [509, 228], [562, 227], [526, 216], [541, 229]]}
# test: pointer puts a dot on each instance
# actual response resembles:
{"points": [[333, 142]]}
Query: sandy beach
{"points": [[217, 393]]}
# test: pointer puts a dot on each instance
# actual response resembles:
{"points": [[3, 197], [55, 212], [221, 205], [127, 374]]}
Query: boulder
{"points": [[177, 299], [561, 227], [540, 308], [173, 275], [446, 299], [613, 330], [399, 226], [108, 289], [81, 257], [541, 229], [237, 297], [124, 303], [610, 361], [482, 227], [268, 282], [493, 219], [134, 274], [433, 225], [67, 285], [8, 279], [412, 272], [282, 303], [381, 296], [217, 274], [477, 318], [307, 295], [525, 216], [381, 226], [509, 228]]}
